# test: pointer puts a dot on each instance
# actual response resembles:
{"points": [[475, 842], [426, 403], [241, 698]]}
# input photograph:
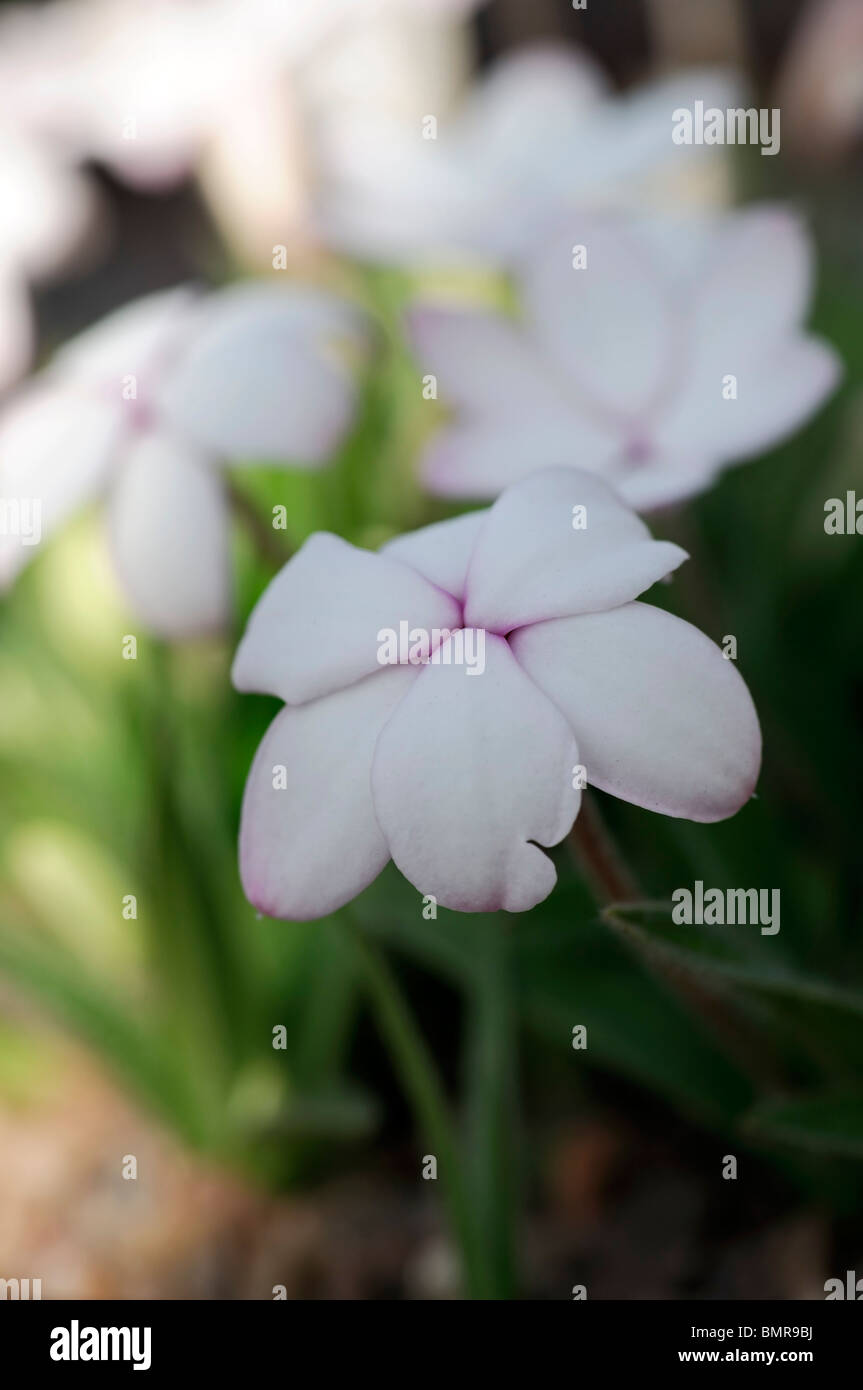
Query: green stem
{"points": [[603, 865], [419, 1076], [613, 884], [275, 551], [491, 1106]]}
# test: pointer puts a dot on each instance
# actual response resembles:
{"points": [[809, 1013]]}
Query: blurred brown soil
{"points": [[623, 1218]]}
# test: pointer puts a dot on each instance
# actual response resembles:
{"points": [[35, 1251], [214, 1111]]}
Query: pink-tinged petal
{"points": [[56, 450], [307, 847], [441, 552], [534, 559], [168, 527], [474, 190], [521, 138], [611, 326], [481, 457], [661, 717], [315, 627], [667, 476], [529, 100], [777, 391], [486, 364], [471, 774], [386, 196], [138, 340], [756, 283], [267, 374]]}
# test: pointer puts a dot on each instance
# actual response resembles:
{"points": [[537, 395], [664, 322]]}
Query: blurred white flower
{"points": [[48, 211], [390, 61], [141, 86], [230, 88], [459, 780], [144, 406], [667, 356], [541, 131]]}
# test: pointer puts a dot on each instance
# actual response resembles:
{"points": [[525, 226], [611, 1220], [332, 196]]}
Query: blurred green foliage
{"points": [[126, 778]]}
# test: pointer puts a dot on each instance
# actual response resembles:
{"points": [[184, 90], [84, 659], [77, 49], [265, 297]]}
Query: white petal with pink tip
{"points": [[467, 774], [531, 562], [310, 845], [315, 628], [661, 717]]}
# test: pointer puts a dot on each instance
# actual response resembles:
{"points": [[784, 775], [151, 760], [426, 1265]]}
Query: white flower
{"points": [[668, 356], [230, 89], [380, 61], [145, 405], [462, 779], [541, 131], [48, 211], [140, 87]]}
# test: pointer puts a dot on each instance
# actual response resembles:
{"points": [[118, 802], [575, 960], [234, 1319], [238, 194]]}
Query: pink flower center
{"points": [[140, 414], [638, 450]]}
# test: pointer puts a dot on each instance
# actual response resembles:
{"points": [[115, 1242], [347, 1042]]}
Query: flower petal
{"points": [[485, 363], [481, 457], [661, 717], [777, 391], [633, 163], [168, 525], [308, 847], [50, 207], [315, 628], [668, 476], [756, 284], [441, 552], [531, 561], [137, 340], [266, 375], [383, 196], [522, 140], [527, 99], [468, 772], [745, 314], [612, 325], [56, 449]]}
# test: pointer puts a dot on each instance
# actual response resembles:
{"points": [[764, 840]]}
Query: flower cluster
{"points": [[651, 338]]}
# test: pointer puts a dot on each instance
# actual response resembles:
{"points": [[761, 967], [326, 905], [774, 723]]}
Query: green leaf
{"points": [[58, 982], [568, 969], [391, 911], [340, 1112], [633, 1026], [829, 1124], [819, 1017]]}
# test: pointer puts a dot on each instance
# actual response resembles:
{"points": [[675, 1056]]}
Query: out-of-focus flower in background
{"points": [[230, 89], [665, 354], [145, 404], [141, 87], [820, 89], [48, 210], [461, 777], [391, 62], [541, 131]]}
